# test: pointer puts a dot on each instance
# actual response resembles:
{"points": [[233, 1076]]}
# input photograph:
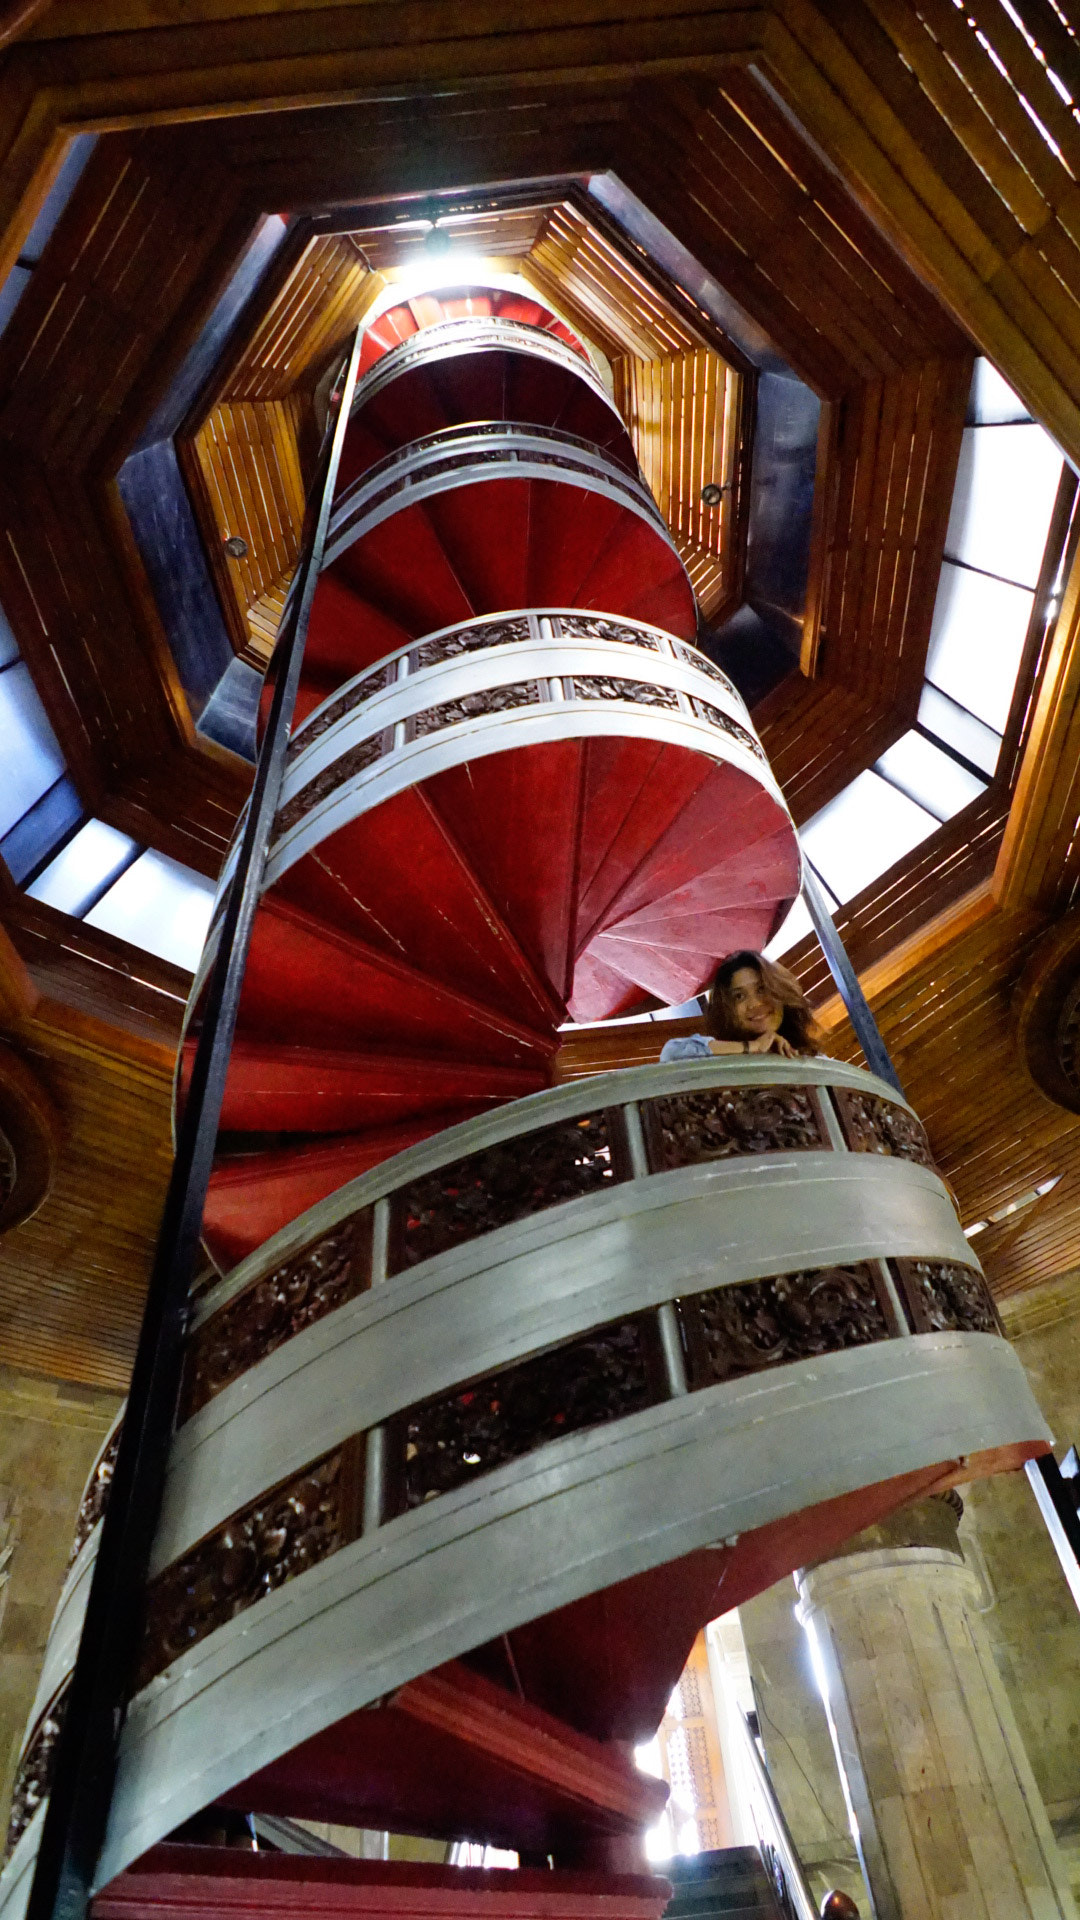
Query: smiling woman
{"points": [[754, 1006]]}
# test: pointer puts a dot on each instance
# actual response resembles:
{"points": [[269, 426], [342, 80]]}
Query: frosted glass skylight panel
{"points": [[863, 832], [83, 868], [30, 759], [959, 729], [160, 906], [929, 776], [795, 928], [976, 642], [1003, 499], [992, 401]]}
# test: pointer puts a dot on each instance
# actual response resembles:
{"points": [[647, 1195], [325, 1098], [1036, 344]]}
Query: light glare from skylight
{"points": [[928, 776], [160, 906], [1004, 495], [862, 833], [976, 642], [993, 402], [72, 881], [795, 928], [32, 758], [959, 729]]}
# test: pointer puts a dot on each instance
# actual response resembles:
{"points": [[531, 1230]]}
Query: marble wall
{"points": [[50, 1433]]}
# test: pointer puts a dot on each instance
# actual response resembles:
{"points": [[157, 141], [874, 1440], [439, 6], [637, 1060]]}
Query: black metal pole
{"points": [[85, 1766], [867, 1031]]}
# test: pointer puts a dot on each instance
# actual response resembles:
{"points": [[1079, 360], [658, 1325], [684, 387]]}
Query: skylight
{"points": [[1003, 498], [160, 906], [1003, 503], [84, 869], [969, 738], [861, 833], [105, 878], [929, 776], [32, 757], [77, 866], [977, 640]]}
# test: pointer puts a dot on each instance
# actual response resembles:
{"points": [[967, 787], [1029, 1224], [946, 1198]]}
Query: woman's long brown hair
{"points": [[798, 1025]]}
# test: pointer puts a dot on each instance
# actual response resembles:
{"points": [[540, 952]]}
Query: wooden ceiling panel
{"points": [[781, 234], [683, 403], [322, 299], [620, 302]]}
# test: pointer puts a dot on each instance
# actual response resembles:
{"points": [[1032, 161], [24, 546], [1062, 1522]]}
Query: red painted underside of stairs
{"points": [[219, 1881]]}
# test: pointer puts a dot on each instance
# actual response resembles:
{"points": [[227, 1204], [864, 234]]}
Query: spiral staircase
{"points": [[505, 1387]]}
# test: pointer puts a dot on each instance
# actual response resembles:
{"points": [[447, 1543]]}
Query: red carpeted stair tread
{"points": [[327, 990], [276, 1088], [515, 817], [398, 880]]}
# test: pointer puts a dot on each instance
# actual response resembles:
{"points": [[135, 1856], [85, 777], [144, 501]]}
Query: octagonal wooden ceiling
{"points": [[683, 401], [877, 187]]}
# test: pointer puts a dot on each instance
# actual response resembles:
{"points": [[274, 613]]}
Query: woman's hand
{"points": [[772, 1043]]}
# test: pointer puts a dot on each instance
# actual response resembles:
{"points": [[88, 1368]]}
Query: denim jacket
{"points": [[690, 1046]]}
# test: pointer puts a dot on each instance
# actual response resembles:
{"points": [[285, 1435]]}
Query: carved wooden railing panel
{"points": [[34, 1776], [947, 1296], [529, 1170], [732, 1331], [540, 629]]}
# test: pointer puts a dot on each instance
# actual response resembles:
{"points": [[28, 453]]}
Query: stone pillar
{"points": [[943, 1802]]}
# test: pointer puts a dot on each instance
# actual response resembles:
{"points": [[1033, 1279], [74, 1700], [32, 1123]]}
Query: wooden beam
{"points": [[1045, 813]]}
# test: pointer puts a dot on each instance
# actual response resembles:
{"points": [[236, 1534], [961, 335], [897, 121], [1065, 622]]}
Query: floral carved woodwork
{"points": [[332, 776], [578, 626], [449, 646], [874, 1125], [471, 706], [605, 1375], [280, 1535], [354, 696], [731, 1331], [705, 710], [704, 665], [95, 1499], [683, 1129], [945, 1297], [275, 1308], [488, 700], [501, 1184], [585, 1383], [608, 686], [34, 1777]]}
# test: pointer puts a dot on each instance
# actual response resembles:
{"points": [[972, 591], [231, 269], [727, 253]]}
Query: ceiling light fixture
{"points": [[437, 242]]}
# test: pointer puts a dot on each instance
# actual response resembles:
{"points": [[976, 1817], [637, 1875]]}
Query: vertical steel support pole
{"points": [[78, 1810], [866, 1027]]}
